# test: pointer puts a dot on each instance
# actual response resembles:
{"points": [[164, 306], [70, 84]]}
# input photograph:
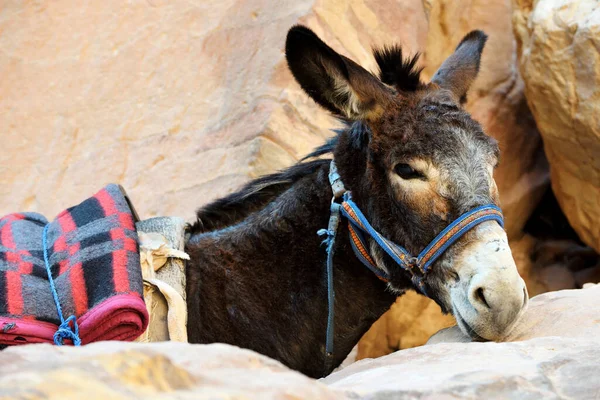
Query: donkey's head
{"points": [[415, 161]]}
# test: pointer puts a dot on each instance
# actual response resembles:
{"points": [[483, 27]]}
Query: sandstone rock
{"points": [[535, 367], [566, 313], [555, 357], [117, 370], [557, 277], [409, 323], [549, 368], [548, 265], [183, 102], [179, 102], [559, 62], [529, 271]]}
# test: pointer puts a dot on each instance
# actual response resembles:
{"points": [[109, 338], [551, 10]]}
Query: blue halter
{"points": [[359, 226]]}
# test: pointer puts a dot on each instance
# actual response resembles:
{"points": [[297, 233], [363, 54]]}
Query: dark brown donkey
{"points": [[414, 161]]}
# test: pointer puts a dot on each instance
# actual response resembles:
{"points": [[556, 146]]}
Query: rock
{"points": [[559, 62], [409, 323], [555, 355], [548, 265], [550, 367], [557, 277], [118, 370], [566, 313], [529, 271], [181, 103]]}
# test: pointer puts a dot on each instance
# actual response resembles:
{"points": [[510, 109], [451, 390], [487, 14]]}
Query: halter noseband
{"points": [[358, 226]]}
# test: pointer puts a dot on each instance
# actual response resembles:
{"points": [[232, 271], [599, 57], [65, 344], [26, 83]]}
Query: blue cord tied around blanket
{"points": [[64, 331]]}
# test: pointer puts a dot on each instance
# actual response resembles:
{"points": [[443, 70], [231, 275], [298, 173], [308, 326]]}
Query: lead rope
{"points": [[338, 190], [64, 331]]}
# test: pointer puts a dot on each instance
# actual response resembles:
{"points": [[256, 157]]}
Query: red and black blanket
{"points": [[93, 255]]}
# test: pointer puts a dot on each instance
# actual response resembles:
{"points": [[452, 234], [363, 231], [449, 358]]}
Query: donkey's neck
{"points": [[261, 284]]}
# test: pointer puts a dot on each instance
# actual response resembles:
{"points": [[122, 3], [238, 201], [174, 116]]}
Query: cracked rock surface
{"points": [[555, 355], [181, 102], [559, 59]]}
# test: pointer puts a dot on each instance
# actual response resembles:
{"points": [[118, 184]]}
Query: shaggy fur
{"points": [[256, 278], [396, 71]]}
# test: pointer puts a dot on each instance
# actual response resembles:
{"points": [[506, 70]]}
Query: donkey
{"points": [[413, 161]]}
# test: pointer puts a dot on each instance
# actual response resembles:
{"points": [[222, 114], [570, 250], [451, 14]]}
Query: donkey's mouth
{"points": [[465, 327]]}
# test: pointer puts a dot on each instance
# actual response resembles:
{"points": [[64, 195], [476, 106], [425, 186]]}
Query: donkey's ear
{"points": [[459, 70], [332, 80]]}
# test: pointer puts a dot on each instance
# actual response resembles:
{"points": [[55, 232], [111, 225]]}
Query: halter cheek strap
{"points": [[417, 266], [358, 227]]}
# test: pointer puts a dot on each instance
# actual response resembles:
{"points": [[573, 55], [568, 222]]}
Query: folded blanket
{"points": [[95, 265]]}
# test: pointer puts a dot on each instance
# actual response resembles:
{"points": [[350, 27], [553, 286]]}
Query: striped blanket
{"points": [[94, 261]]}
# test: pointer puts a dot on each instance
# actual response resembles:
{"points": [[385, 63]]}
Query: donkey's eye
{"points": [[405, 171]]}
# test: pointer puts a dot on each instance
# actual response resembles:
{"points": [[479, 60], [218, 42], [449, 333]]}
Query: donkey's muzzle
{"points": [[491, 295]]}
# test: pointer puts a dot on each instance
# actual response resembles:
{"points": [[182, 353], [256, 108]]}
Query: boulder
{"points": [[588, 275], [182, 102], [168, 370], [552, 352], [409, 323], [555, 356], [560, 64], [179, 102], [565, 313], [549, 368]]}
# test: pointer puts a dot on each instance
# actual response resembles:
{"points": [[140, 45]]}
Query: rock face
{"points": [[409, 323], [118, 370], [540, 365], [560, 64], [182, 102], [549, 368], [565, 313]]}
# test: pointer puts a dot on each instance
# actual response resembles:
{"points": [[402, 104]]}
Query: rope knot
{"points": [[65, 331], [326, 232]]}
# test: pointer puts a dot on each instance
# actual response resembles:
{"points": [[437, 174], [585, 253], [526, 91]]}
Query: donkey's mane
{"points": [[256, 194], [394, 70]]}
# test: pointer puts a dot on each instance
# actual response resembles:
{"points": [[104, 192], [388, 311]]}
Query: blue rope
{"points": [[64, 331], [330, 232]]}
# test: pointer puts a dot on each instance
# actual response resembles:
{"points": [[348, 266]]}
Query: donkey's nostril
{"points": [[525, 297], [479, 295]]}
